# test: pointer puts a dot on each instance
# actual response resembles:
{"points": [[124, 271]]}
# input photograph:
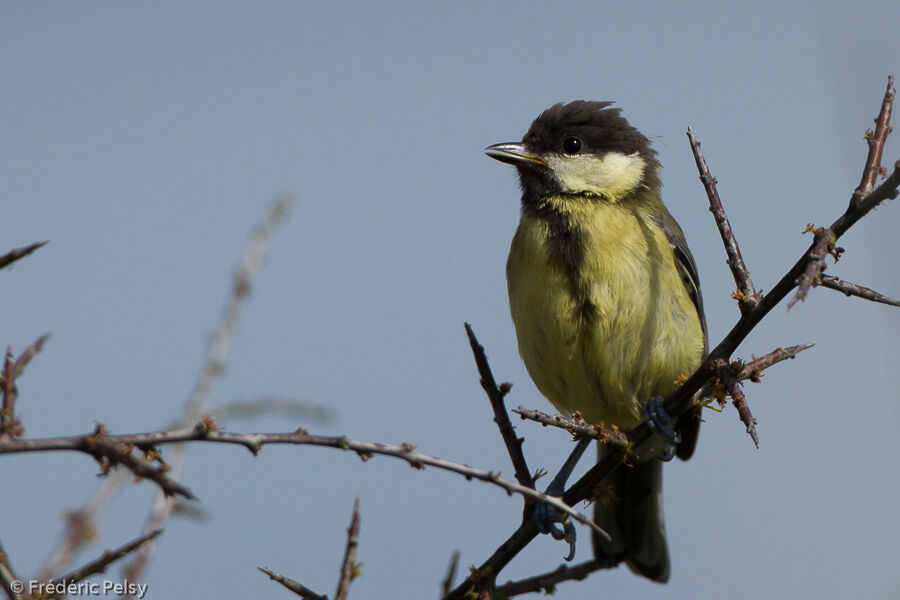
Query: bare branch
{"points": [[746, 294], [295, 586], [254, 441], [110, 556], [349, 566], [501, 417], [14, 255], [875, 140], [851, 289]]}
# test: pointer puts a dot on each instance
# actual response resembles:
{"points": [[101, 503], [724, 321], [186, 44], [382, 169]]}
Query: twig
{"points": [[546, 582], [110, 556], [109, 454], [577, 426], [9, 425], [746, 294], [447, 583], [851, 289], [727, 375], [681, 399], [501, 417], [823, 244], [349, 566], [753, 370], [295, 586], [213, 367], [17, 253], [875, 141], [255, 441]]}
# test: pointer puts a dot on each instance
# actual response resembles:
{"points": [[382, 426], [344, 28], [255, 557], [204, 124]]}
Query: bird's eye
{"points": [[572, 145]]}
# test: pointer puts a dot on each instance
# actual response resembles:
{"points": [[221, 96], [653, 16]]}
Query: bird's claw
{"points": [[546, 517], [660, 421]]}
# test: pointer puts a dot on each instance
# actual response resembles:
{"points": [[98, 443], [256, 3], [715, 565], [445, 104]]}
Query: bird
{"points": [[606, 304]]}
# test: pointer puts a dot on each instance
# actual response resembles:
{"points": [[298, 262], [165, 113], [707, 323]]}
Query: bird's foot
{"points": [[546, 517], [662, 422]]}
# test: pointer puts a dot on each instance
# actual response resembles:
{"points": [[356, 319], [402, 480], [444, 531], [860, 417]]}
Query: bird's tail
{"points": [[632, 514]]}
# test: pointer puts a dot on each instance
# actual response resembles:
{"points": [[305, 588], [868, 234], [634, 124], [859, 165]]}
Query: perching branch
{"points": [[611, 436]]}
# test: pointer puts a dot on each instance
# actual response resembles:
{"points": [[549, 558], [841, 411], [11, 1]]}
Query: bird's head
{"points": [[583, 149]]}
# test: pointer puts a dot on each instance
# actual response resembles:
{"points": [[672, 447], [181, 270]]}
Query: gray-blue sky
{"points": [[144, 140]]}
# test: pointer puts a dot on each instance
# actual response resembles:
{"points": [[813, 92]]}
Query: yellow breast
{"points": [[620, 329]]}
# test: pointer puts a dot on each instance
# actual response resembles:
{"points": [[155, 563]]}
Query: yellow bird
{"points": [[606, 302]]}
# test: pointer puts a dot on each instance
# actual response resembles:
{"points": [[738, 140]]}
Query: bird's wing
{"points": [[689, 422]]}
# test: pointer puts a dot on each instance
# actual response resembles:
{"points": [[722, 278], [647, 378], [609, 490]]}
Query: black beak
{"points": [[515, 154]]}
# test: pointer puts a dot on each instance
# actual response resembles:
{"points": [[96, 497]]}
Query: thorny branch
{"points": [[501, 417], [746, 294], [851, 289], [205, 432], [482, 582]]}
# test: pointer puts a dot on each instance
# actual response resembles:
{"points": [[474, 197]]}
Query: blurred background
{"points": [[145, 141]]}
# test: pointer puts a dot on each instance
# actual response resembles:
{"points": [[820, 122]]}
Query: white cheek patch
{"points": [[612, 175]]}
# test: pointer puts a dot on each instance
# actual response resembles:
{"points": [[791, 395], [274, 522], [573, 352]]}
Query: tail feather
{"points": [[633, 517]]}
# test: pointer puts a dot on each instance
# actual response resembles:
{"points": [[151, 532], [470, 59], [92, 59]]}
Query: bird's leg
{"points": [[546, 517], [659, 420]]}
